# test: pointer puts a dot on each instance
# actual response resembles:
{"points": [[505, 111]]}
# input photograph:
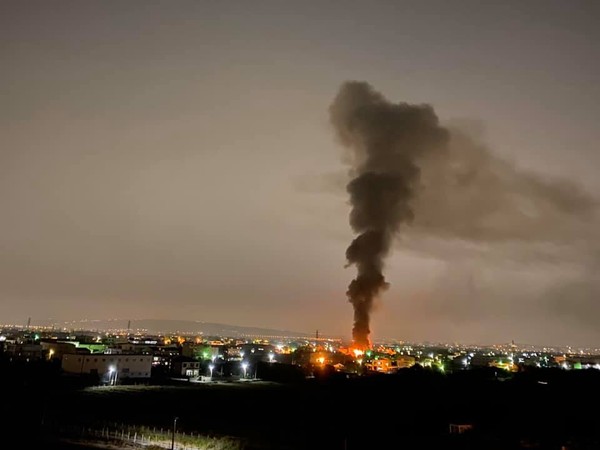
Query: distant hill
{"points": [[179, 326]]}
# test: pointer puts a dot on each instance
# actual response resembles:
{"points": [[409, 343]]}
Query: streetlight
{"points": [[244, 366], [111, 369], [112, 381], [271, 357], [173, 435], [211, 367]]}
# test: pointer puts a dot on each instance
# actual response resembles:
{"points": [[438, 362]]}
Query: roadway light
{"points": [[244, 366], [271, 357], [111, 369]]}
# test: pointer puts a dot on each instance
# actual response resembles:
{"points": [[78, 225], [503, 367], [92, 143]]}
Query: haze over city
{"points": [[185, 161]]}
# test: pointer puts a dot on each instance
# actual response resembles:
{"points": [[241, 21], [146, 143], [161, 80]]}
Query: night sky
{"points": [[176, 160]]}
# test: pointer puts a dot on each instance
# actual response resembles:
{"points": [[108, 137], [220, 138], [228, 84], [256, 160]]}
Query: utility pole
{"points": [[173, 436]]}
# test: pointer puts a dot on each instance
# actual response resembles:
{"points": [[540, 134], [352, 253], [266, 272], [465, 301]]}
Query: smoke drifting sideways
{"points": [[384, 142]]}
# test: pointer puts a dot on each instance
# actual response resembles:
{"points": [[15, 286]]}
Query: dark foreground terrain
{"points": [[542, 409]]}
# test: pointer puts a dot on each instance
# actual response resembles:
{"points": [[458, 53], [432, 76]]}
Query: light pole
{"points": [[113, 380], [173, 435], [244, 366], [211, 367]]}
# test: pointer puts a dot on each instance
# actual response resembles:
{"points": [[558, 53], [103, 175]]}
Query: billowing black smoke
{"points": [[385, 142]]}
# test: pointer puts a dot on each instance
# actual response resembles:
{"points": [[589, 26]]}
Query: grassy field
{"points": [[542, 409]]}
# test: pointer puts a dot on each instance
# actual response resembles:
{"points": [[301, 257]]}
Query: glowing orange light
{"points": [[357, 352]]}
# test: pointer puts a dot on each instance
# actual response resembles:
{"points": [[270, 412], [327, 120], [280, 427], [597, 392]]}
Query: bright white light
{"points": [[271, 356], [112, 381]]}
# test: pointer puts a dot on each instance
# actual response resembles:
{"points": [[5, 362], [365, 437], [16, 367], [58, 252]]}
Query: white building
{"points": [[110, 368]]}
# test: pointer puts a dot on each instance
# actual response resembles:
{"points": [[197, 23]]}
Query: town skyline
{"points": [[187, 327]]}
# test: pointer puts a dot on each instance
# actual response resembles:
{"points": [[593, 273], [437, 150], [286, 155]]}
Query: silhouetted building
{"points": [[182, 366], [24, 352]]}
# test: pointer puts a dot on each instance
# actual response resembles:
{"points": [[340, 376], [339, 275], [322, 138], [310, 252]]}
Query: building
{"points": [[57, 349], [24, 351], [381, 365], [403, 362], [110, 368], [182, 366]]}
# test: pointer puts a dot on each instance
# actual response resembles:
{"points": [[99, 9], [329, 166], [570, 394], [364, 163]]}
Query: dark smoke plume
{"points": [[385, 142]]}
